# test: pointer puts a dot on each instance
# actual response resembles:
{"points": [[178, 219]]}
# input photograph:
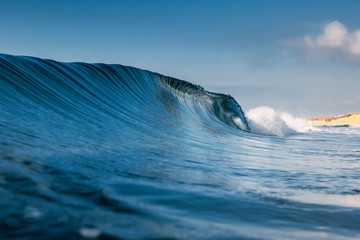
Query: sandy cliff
{"points": [[351, 119]]}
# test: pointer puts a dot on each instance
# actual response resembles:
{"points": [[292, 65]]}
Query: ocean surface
{"points": [[96, 151]]}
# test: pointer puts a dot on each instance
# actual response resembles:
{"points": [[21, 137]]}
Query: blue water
{"points": [[113, 152]]}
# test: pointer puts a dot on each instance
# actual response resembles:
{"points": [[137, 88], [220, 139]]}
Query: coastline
{"points": [[350, 119]]}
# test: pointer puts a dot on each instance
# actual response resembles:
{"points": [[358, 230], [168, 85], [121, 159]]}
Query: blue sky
{"points": [[264, 53]]}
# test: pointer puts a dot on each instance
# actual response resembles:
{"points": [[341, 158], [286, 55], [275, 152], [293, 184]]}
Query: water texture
{"points": [[113, 152]]}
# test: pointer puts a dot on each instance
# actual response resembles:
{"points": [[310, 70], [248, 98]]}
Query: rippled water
{"points": [[113, 152]]}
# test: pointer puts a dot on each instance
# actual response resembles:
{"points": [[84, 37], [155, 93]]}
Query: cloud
{"points": [[334, 41]]}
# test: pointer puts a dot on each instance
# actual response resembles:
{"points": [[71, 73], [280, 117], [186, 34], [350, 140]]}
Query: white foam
{"points": [[89, 232], [266, 121]]}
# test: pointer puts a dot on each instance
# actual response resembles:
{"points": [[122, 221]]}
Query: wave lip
{"points": [[224, 107]]}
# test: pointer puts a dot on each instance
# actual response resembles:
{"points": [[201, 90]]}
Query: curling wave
{"points": [[128, 94], [113, 152]]}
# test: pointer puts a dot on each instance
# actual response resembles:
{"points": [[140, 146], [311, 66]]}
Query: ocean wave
{"points": [[108, 151], [130, 95]]}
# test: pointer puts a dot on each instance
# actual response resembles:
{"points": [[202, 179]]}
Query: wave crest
{"points": [[96, 91]]}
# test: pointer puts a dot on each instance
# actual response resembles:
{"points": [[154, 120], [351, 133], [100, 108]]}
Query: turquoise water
{"points": [[114, 152]]}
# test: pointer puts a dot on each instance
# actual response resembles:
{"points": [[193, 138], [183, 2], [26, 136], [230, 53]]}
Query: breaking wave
{"points": [[105, 151]]}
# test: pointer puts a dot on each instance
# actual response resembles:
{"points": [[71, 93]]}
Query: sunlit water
{"points": [[107, 152]]}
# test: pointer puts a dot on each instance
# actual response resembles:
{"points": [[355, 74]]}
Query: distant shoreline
{"points": [[350, 119]]}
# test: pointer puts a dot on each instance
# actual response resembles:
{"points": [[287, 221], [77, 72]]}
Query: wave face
{"points": [[113, 152]]}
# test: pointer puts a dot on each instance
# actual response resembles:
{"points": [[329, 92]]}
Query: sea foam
{"points": [[266, 121]]}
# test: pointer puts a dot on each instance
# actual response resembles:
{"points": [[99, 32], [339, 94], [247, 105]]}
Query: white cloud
{"points": [[335, 39], [355, 43]]}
